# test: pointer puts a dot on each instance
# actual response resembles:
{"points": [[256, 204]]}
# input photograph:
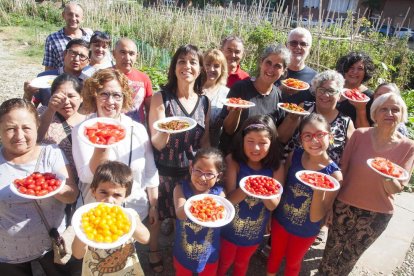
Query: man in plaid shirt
{"points": [[56, 42]]}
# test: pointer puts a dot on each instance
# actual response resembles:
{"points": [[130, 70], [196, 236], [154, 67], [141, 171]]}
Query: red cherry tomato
{"points": [[37, 184]]}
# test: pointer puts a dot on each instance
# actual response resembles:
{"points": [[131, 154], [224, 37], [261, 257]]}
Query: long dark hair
{"points": [[61, 79], [274, 157], [171, 84]]}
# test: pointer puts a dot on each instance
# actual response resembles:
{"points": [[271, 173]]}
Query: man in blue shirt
{"points": [[56, 42], [76, 57]]}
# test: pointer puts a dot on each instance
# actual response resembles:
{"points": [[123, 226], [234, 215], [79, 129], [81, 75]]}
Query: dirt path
{"points": [[15, 68]]}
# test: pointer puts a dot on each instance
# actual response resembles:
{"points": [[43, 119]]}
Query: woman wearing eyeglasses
{"points": [[326, 88], [357, 68], [100, 57], [107, 94], [365, 202]]}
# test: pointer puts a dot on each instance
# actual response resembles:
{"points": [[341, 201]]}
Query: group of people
{"points": [[155, 173]]}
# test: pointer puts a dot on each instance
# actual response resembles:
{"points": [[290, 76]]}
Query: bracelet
{"points": [[388, 179]]}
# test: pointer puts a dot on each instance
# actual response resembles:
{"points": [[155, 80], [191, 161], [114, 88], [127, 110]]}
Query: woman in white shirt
{"points": [[107, 94]]}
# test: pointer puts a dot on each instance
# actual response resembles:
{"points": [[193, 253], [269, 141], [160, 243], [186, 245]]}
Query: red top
{"points": [[236, 76], [362, 187], [142, 88]]}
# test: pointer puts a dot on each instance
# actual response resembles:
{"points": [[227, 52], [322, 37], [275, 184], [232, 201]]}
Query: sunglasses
{"points": [[100, 34], [295, 43]]}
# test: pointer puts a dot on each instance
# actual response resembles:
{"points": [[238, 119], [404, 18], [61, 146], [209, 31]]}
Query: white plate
{"points": [[43, 81], [334, 181], [62, 184], [357, 101], [192, 123], [76, 223], [251, 104], [229, 211], [90, 122], [404, 176], [296, 89], [292, 111], [242, 185]]}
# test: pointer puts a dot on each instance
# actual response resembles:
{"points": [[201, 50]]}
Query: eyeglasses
{"points": [[324, 91], [74, 54], [295, 43], [319, 135], [200, 173], [104, 96]]}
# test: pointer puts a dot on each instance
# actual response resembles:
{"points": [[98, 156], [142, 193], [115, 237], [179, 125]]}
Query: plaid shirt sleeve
{"points": [[48, 56]]}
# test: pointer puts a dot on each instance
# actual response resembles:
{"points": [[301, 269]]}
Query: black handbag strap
{"points": [[66, 127], [130, 147]]}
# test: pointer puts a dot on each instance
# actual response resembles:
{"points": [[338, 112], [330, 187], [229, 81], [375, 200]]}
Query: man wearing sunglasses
{"points": [[299, 43], [56, 42], [75, 58]]}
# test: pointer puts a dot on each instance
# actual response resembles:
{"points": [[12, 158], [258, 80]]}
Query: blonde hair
{"points": [[95, 83], [215, 55]]}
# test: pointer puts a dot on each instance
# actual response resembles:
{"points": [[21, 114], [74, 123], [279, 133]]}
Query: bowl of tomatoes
{"points": [[318, 180], [261, 186], [38, 185], [102, 132], [387, 168], [103, 225], [209, 210]]}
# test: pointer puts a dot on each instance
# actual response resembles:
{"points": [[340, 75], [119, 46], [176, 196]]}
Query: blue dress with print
{"points": [[195, 245], [293, 211], [250, 220]]}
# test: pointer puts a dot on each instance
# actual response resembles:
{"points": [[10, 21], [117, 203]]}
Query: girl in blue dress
{"points": [[297, 219], [196, 248], [256, 151]]}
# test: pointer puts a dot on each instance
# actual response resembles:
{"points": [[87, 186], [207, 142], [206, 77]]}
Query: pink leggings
{"points": [[287, 245], [239, 255], [209, 270]]}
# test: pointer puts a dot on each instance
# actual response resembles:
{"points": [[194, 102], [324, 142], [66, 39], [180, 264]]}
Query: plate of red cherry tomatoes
{"points": [[38, 185], [355, 95], [387, 168], [260, 186], [318, 180], [102, 132], [209, 210]]}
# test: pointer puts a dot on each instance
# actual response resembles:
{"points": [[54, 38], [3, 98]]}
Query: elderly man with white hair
{"points": [[299, 42]]}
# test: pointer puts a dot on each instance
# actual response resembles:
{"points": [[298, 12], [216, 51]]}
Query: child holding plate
{"points": [[297, 220], [257, 151], [112, 183], [196, 248]]}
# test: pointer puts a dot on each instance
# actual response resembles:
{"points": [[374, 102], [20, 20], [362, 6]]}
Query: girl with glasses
{"points": [[205, 172], [256, 151], [326, 87], [297, 219]]}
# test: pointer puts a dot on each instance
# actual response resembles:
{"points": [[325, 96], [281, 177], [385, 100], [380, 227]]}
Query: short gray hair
{"points": [[301, 31], [328, 75], [393, 87], [231, 38], [280, 50], [378, 102]]}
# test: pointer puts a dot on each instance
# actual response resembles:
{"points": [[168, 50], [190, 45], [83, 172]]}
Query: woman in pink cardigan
{"points": [[364, 205]]}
